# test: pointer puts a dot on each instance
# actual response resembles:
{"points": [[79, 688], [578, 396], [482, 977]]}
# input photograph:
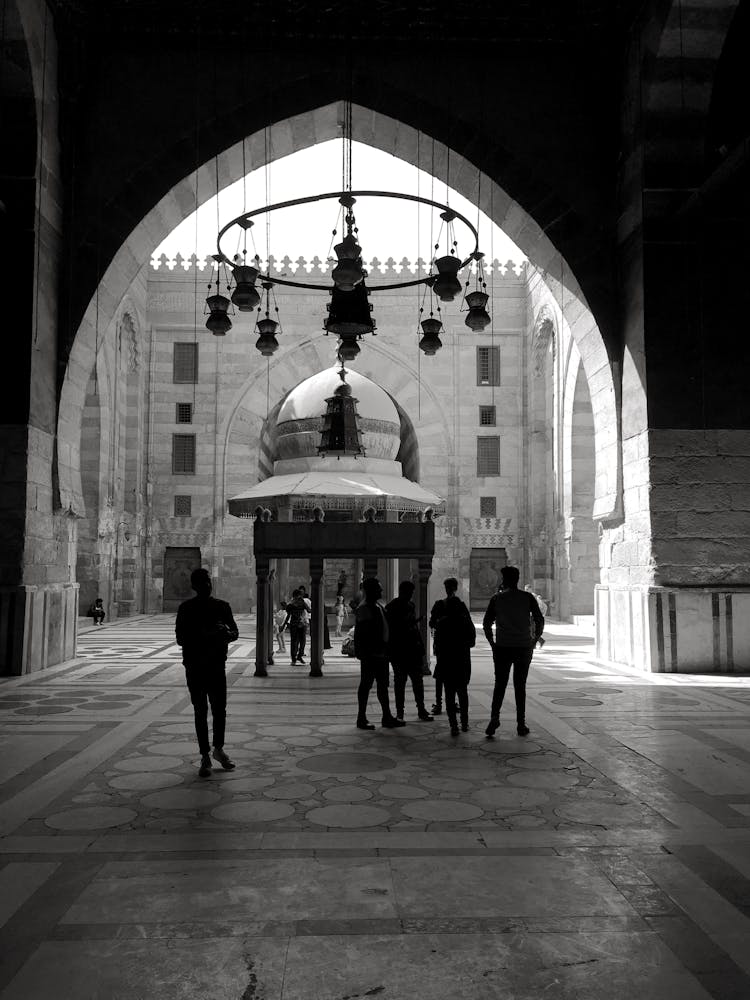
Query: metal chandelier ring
{"points": [[309, 199]]}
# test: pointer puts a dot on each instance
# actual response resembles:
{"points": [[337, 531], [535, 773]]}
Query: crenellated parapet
{"points": [[304, 270]]}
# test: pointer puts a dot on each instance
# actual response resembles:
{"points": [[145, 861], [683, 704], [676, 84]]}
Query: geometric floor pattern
{"points": [[607, 854]]}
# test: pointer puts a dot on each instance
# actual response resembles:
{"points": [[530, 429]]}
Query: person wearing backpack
{"points": [[455, 636], [518, 627], [297, 617]]}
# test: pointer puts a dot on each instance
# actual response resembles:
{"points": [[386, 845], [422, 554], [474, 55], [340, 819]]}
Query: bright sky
{"points": [[387, 228]]}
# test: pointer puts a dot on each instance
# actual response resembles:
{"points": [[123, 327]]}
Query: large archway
{"points": [[557, 282]]}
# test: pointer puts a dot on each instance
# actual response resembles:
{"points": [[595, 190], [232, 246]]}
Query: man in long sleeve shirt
{"points": [[204, 628], [518, 626]]}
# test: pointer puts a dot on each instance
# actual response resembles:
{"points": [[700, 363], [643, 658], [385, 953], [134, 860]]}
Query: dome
{"points": [[308, 399], [300, 419]]}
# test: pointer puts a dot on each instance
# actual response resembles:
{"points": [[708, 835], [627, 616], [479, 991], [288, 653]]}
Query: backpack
{"points": [[454, 630], [297, 613]]}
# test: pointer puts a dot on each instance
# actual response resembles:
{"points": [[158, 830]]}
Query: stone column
{"points": [[425, 572], [370, 566], [270, 623], [317, 598], [261, 620]]}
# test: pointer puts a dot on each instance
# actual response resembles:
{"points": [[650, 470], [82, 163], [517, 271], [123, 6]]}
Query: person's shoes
{"points": [[454, 730], [301, 659], [204, 771], [364, 724], [464, 727], [437, 708], [221, 757], [424, 716], [492, 727], [392, 723], [522, 729]]}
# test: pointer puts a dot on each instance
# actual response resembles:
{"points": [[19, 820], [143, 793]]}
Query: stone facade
{"points": [[131, 528]]}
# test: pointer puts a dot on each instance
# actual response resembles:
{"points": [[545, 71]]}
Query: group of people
{"points": [[513, 624], [385, 636]]}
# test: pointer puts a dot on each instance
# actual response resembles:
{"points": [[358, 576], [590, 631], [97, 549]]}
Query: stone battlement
{"points": [[285, 267]]}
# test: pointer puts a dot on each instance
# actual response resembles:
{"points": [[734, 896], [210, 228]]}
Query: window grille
{"points": [[184, 413], [185, 363], [183, 506], [487, 416], [488, 506], [488, 366], [183, 454], [488, 456]]}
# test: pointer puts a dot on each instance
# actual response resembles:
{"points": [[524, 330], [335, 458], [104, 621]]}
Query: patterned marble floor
{"points": [[607, 854]]}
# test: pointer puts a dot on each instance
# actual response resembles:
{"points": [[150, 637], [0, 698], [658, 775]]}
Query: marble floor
{"points": [[607, 854]]}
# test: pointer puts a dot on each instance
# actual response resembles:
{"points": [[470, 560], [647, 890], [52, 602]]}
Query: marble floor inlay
{"points": [[606, 855]]}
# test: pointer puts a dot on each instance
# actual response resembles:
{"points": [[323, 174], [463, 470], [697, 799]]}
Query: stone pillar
{"points": [[370, 566], [261, 619], [270, 623], [425, 572], [318, 611]]}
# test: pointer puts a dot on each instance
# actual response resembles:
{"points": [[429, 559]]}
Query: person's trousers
{"points": [[456, 689], [98, 617], [208, 685], [373, 670], [505, 657], [438, 691], [297, 637], [401, 673]]}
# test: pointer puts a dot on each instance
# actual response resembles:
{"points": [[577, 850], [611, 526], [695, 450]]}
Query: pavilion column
{"points": [[370, 566], [270, 630], [317, 598], [261, 620], [425, 572]]}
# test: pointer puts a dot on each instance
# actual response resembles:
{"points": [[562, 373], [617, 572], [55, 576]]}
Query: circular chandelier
{"points": [[349, 312]]}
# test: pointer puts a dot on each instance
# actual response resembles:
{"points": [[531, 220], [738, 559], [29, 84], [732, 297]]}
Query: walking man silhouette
{"points": [[512, 612], [204, 628]]}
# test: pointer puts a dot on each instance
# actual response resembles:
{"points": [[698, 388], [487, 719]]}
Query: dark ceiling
{"points": [[260, 22]]}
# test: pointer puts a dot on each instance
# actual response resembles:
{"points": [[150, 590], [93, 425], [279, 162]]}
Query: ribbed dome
{"points": [[308, 399], [300, 420]]}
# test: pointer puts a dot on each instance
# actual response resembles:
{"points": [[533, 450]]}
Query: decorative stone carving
{"points": [[543, 337]]}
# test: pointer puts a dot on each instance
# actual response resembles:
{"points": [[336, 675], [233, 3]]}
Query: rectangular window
{"points": [[185, 363], [183, 506], [488, 506], [488, 456], [183, 454], [488, 366], [183, 413], [487, 416]]}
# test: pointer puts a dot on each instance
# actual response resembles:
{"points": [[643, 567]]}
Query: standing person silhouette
{"points": [[204, 628], [454, 637], [298, 618], [512, 612], [406, 649], [371, 648]]}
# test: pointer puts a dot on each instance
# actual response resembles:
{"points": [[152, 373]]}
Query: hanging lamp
{"points": [[217, 305], [267, 343]]}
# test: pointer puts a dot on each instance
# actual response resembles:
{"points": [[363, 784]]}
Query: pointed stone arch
{"points": [[296, 133]]}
